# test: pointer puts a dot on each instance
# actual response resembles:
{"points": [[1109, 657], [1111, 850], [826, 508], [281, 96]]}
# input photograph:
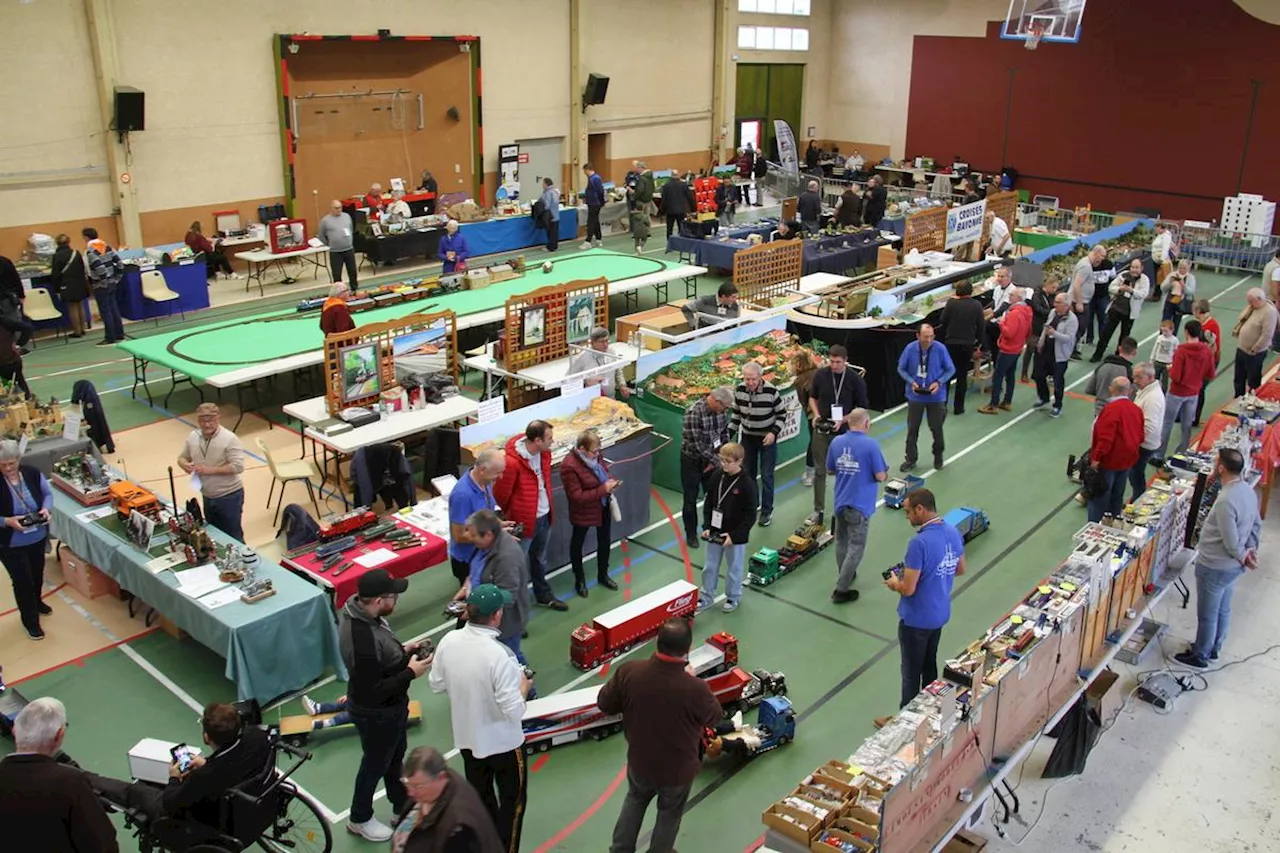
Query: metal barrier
{"points": [[1207, 245], [1080, 220]]}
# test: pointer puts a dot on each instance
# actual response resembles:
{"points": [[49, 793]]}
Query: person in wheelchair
{"points": [[240, 754]]}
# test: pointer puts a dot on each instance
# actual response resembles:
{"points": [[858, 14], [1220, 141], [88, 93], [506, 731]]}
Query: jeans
{"points": [[1112, 498], [1046, 367], [1006, 366], [502, 781], [340, 259], [1114, 321], [919, 649], [1162, 374], [225, 512], [674, 221], [383, 739], [737, 556], [593, 225], [1097, 314], [1200, 400], [536, 549], [25, 565], [1174, 313], [937, 415], [821, 444], [1214, 588], [1082, 323], [693, 479], [513, 642], [962, 356], [109, 308], [1183, 411], [1138, 474], [851, 543], [667, 824], [603, 540], [761, 459], [1248, 370]]}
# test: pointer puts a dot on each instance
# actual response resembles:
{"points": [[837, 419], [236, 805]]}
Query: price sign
{"points": [[491, 409], [571, 387]]}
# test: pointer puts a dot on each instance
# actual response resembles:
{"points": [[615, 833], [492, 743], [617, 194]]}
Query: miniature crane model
{"points": [[896, 489], [970, 521], [612, 633], [768, 565]]}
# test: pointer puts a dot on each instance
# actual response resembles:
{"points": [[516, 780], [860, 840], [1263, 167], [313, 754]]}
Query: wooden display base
{"points": [[250, 599], [300, 725]]}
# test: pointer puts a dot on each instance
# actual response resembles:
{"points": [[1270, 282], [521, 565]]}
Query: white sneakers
{"points": [[371, 830]]}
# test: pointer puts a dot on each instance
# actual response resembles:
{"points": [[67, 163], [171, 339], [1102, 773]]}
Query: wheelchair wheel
{"points": [[299, 828]]}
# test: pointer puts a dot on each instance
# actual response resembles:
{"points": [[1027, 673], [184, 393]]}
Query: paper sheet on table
{"points": [[95, 513], [168, 561], [375, 558], [199, 581], [220, 597]]}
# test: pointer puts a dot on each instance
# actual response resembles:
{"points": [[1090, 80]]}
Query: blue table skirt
{"points": [[516, 232], [187, 278]]}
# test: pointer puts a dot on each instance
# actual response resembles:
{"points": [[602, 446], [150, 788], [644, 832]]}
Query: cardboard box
{"points": [[86, 579], [965, 841], [1104, 697], [792, 823], [149, 759], [666, 318], [886, 256], [819, 846]]}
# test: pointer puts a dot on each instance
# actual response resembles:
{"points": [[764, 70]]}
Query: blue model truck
{"points": [[970, 521], [775, 726], [896, 489]]}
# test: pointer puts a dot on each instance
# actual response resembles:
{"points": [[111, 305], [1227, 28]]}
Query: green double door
{"points": [[766, 93]]}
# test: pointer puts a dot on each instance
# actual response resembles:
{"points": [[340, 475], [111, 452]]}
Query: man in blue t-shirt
{"points": [[935, 555], [472, 493], [926, 367], [859, 467]]}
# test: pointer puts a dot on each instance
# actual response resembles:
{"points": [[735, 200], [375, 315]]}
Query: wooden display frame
{"points": [[382, 337], [762, 273], [925, 230], [555, 300]]}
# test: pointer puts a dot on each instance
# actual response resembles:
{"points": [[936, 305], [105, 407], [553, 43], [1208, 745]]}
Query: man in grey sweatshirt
{"points": [[1228, 546], [338, 233]]}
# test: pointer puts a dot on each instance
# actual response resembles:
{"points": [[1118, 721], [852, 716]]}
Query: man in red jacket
{"points": [[1015, 327], [1212, 335], [524, 493], [1117, 440], [1193, 366], [335, 316]]}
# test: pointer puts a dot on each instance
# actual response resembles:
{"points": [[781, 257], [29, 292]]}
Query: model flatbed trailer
{"points": [[970, 521], [565, 718], [612, 633], [896, 489]]}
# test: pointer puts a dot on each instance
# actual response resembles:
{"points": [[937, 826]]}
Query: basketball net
{"points": [[1034, 33]]}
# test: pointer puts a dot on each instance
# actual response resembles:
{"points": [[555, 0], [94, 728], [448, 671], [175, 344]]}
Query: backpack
{"points": [[299, 528]]}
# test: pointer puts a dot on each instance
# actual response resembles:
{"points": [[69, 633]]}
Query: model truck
{"points": [[716, 661], [896, 489], [968, 520], [775, 726], [618, 630], [768, 565]]}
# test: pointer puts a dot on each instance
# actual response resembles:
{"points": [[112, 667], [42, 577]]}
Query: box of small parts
{"points": [[801, 826], [965, 841], [1142, 639]]}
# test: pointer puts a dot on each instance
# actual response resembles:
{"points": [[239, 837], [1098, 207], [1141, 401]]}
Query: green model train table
{"points": [[238, 352]]}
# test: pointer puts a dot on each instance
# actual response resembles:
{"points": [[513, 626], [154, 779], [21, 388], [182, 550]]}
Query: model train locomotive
{"points": [[767, 565]]}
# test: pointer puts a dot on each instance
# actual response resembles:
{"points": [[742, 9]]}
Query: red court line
{"points": [[537, 765], [43, 596], [684, 547], [79, 661], [1075, 396], [551, 843], [755, 845]]}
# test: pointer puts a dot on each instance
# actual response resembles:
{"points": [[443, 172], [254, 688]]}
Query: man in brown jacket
{"points": [[1253, 333], [665, 711], [444, 814]]}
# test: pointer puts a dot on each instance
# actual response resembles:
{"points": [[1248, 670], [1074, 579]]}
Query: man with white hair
{"points": [[1055, 346], [809, 207], [1128, 291], [759, 414], [453, 249], [594, 356], [373, 199], [1150, 398], [397, 209], [705, 428], [338, 233], [1082, 290], [335, 316], [47, 804], [998, 243], [1254, 331], [472, 493]]}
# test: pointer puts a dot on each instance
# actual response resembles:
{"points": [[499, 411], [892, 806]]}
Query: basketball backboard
{"points": [[1057, 20]]}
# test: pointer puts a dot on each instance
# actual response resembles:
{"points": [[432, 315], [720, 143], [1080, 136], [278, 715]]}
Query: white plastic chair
{"points": [[156, 289], [39, 307]]}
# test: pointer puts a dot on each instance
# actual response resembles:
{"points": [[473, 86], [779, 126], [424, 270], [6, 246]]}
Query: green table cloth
{"points": [[1037, 240], [272, 647]]}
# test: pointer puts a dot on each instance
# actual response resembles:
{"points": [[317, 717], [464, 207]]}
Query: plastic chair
{"points": [[287, 472], [39, 307], [156, 289]]}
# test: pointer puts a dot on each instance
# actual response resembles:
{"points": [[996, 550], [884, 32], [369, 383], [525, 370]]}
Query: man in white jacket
{"points": [[1128, 291], [1150, 398], [487, 687]]}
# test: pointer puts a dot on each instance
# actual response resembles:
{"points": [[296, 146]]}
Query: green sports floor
{"points": [[841, 662]]}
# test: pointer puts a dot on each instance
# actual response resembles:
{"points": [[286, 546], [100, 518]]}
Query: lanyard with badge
{"points": [[922, 372], [717, 517], [837, 411]]}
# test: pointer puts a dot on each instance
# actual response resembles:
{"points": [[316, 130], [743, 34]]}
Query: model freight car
{"points": [[896, 489], [612, 633], [767, 565], [968, 520]]}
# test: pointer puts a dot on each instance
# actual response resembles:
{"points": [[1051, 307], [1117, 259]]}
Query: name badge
{"points": [[922, 371], [837, 413], [720, 310], [717, 518], [346, 232], [715, 444]]}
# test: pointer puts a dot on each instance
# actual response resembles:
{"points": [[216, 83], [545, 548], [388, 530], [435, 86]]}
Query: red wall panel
{"points": [[1151, 109]]}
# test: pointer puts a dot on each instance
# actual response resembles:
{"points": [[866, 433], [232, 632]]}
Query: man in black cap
{"points": [[379, 670]]}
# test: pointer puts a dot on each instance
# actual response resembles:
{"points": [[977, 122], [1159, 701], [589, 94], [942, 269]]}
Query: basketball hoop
{"points": [[1034, 33]]}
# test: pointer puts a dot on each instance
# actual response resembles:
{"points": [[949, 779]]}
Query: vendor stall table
{"points": [[260, 260], [272, 647], [549, 374], [188, 278], [421, 243], [511, 233], [823, 254], [399, 564]]}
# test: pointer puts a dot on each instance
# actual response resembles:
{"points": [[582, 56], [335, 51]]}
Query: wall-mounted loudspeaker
{"points": [[130, 112], [597, 86]]}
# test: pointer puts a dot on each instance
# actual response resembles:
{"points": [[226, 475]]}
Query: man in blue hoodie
{"points": [[926, 367], [593, 195]]}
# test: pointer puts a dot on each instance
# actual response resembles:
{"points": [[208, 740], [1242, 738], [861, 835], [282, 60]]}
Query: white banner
{"points": [[790, 427], [787, 154], [964, 223]]}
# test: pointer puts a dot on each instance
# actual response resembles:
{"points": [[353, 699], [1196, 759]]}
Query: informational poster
{"points": [[964, 223], [508, 172], [791, 426], [787, 154]]}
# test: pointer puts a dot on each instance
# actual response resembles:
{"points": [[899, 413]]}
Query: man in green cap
{"points": [[488, 689]]}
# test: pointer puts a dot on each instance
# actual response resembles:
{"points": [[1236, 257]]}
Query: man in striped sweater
{"points": [[758, 416]]}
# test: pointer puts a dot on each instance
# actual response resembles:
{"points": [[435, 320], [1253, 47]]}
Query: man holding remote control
{"points": [[380, 671]]}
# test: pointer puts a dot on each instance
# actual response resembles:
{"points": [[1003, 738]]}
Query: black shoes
{"points": [[846, 597], [607, 582], [692, 542], [554, 604], [1191, 659], [43, 609], [907, 465], [35, 633], [939, 463], [580, 587]]}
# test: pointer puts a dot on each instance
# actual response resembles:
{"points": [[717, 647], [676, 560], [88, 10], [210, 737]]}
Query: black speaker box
{"points": [[130, 109], [597, 86]]}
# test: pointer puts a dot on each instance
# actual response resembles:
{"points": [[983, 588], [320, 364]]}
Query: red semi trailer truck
{"points": [[612, 633]]}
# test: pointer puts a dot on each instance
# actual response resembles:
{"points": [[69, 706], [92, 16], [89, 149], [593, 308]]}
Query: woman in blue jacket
{"points": [[453, 249]]}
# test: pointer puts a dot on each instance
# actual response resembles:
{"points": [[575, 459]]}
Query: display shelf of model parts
{"points": [[20, 416], [613, 421], [85, 477]]}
